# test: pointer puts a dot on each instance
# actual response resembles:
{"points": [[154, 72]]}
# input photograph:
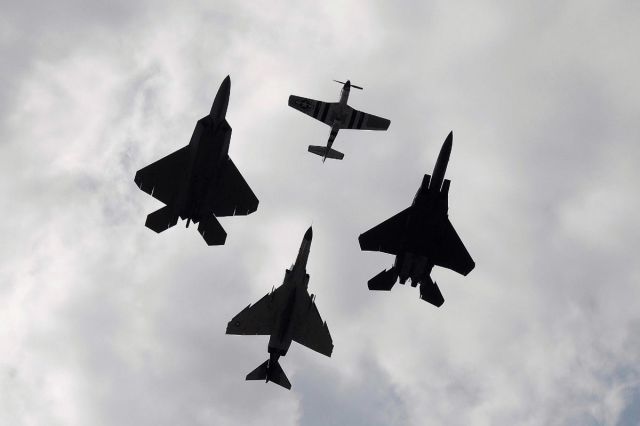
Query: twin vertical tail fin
{"points": [[325, 152], [270, 372], [161, 220]]}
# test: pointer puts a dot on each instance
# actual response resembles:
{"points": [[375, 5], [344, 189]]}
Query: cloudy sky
{"points": [[103, 322]]}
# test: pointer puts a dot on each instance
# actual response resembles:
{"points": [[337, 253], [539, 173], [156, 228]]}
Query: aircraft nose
{"points": [[309, 234], [225, 86], [446, 146], [221, 101]]}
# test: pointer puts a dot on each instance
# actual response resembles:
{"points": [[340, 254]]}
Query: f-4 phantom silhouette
{"points": [[199, 180], [288, 313], [421, 237], [337, 115]]}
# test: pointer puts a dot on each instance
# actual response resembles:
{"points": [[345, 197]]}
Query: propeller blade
{"points": [[354, 86]]}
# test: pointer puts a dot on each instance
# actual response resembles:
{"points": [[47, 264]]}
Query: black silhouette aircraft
{"points": [[421, 237], [288, 313], [199, 180], [338, 115]]}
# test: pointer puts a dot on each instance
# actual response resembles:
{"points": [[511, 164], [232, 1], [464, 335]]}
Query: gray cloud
{"points": [[108, 323]]}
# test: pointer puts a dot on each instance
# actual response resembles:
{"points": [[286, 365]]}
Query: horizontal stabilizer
{"points": [[259, 373], [431, 293], [276, 375], [385, 280], [325, 152], [271, 372], [212, 231], [388, 236], [161, 220]]}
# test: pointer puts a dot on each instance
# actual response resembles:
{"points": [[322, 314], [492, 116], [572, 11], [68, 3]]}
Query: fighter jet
{"points": [[338, 115], [287, 313], [421, 237], [199, 180]]}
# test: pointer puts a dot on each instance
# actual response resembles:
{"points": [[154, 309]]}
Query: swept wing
{"points": [[233, 196], [259, 318], [451, 252], [311, 331], [163, 178], [387, 236]]}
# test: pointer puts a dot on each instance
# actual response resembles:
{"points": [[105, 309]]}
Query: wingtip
{"points": [[309, 234]]}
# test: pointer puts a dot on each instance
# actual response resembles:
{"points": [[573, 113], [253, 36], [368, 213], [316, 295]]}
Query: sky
{"points": [[104, 322]]}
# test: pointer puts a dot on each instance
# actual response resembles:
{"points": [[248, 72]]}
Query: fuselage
{"points": [[296, 281], [341, 113], [344, 94], [208, 150]]}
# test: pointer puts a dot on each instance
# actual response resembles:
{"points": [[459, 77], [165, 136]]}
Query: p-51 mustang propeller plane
{"points": [[337, 115]]}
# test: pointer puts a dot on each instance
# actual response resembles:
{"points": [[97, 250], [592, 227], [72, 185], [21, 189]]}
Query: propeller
{"points": [[353, 85]]}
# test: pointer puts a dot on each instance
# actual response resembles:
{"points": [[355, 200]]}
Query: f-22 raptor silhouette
{"points": [[338, 115], [199, 180]]}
